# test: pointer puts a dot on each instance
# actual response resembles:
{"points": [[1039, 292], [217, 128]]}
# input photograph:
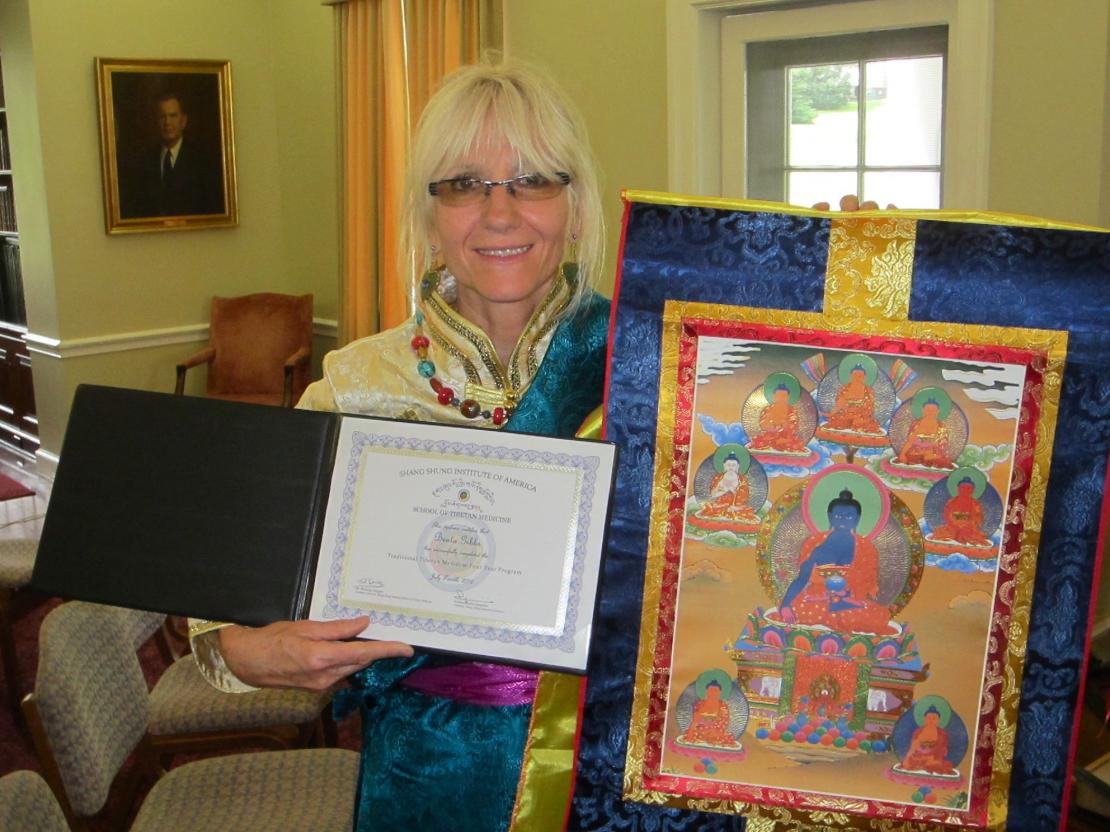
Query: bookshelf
{"points": [[18, 422]]}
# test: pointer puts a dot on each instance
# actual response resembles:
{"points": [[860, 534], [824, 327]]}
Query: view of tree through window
{"points": [[858, 113], [869, 127]]}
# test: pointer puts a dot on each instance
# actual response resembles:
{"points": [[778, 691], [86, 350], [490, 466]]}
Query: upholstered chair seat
{"points": [[182, 702], [279, 791], [28, 805], [17, 560]]}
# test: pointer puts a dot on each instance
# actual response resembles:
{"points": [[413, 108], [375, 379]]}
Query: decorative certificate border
{"points": [[1042, 354], [585, 468]]}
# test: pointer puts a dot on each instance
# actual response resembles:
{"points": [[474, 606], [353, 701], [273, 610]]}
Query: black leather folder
{"points": [[214, 509], [187, 505]]}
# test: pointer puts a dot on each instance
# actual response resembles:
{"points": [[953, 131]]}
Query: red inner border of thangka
{"points": [[998, 635]]}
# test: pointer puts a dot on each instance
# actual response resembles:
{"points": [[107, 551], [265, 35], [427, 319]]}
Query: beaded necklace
{"points": [[469, 408], [427, 369]]}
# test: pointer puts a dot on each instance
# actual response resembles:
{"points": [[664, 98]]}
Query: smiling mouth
{"points": [[503, 252]]}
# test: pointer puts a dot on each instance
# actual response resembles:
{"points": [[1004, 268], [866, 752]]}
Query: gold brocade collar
{"points": [[488, 382]]}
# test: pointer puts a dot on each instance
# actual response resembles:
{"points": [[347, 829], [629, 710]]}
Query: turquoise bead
{"points": [[426, 368], [419, 318]]}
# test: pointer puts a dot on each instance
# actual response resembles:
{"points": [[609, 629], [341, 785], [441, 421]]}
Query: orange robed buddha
{"points": [[928, 747], [963, 518], [728, 494], [709, 724], [855, 406], [927, 443], [778, 425], [838, 577]]}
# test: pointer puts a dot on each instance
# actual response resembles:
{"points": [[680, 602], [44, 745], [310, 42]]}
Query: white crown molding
{"points": [[146, 339]]}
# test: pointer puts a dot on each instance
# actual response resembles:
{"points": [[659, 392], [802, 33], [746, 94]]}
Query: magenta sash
{"points": [[476, 683]]}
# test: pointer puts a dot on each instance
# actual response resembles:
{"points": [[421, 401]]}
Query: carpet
{"points": [[11, 489]]}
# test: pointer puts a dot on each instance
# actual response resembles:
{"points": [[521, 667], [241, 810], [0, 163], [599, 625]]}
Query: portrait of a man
{"points": [[169, 162]]}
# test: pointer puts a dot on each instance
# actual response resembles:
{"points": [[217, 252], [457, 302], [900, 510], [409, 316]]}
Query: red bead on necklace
{"points": [[467, 407]]}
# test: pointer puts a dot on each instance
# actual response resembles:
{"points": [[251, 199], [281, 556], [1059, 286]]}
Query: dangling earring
{"points": [[569, 267], [431, 279]]}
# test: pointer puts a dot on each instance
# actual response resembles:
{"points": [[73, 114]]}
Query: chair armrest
{"points": [[301, 356], [205, 356]]}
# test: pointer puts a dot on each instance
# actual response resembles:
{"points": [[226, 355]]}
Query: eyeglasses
{"points": [[467, 190]]}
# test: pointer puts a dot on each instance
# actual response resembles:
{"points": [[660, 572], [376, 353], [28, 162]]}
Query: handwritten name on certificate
{"points": [[466, 540]]}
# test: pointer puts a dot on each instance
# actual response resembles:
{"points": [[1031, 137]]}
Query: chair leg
{"points": [[10, 660], [329, 734]]}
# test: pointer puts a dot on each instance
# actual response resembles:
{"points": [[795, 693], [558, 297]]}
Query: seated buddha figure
{"points": [[928, 751], [927, 442], [778, 425], [838, 576], [854, 409], [963, 517], [729, 493], [710, 721]]}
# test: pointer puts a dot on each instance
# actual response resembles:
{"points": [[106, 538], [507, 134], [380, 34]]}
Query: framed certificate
{"points": [[473, 541], [454, 539]]}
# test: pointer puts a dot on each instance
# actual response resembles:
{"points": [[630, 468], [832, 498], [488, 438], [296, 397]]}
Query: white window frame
{"points": [[700, 116]]}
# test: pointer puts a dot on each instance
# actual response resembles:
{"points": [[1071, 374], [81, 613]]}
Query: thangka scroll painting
{"points": [[843, 536], [744, 531]]}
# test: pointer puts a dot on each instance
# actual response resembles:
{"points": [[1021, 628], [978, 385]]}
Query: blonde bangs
{"points": [[476, 108]]}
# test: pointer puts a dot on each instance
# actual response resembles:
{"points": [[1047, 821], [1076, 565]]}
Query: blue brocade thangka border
{"points": [[1038, 278], [587, 467]]}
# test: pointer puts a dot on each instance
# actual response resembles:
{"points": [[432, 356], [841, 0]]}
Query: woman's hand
{"points": [[302, 654]]}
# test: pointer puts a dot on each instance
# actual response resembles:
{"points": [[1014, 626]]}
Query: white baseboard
{"points": [[123, 341]]}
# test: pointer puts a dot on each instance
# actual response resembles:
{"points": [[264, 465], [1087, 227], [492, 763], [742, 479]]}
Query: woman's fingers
{"points": [[302, 654], [340, 628]]}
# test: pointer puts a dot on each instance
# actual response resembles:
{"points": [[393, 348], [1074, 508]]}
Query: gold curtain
{"points": [[392, 54]]}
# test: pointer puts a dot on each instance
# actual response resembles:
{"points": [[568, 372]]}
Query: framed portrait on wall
{"points": [[167, 144], [843, 538]]}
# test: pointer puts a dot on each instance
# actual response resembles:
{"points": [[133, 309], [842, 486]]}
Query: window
{"points": [[860, 113], [707, 96]]}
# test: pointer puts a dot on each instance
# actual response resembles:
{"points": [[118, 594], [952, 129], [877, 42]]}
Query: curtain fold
{"points": [[392, 55]]}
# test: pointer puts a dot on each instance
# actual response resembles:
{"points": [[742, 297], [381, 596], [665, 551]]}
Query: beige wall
{"points": [[1047, 118], [609, 55], [82, 283], [1048, 109]]}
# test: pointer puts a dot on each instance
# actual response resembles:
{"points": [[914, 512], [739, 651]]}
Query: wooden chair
{"points": [[260, 348], [90, 711], [188, 715]]}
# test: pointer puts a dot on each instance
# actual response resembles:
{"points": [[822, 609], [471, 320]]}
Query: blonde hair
{"points": [[529, 111]]}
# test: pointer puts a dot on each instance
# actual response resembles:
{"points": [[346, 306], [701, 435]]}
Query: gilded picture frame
{"points": [[869, 683], [167, 145]]}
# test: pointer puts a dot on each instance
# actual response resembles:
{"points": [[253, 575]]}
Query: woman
{"points": [[503, 212]]}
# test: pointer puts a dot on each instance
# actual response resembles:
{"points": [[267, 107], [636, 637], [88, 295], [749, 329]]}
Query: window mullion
{"points": [[861, 122]]}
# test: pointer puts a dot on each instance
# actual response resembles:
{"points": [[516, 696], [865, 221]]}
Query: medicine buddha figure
{"points": [[855, 405], [928, 750], [928, 440], [838, 576], [729, 493], [778, 423], [963, 517], [709, 724]]}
